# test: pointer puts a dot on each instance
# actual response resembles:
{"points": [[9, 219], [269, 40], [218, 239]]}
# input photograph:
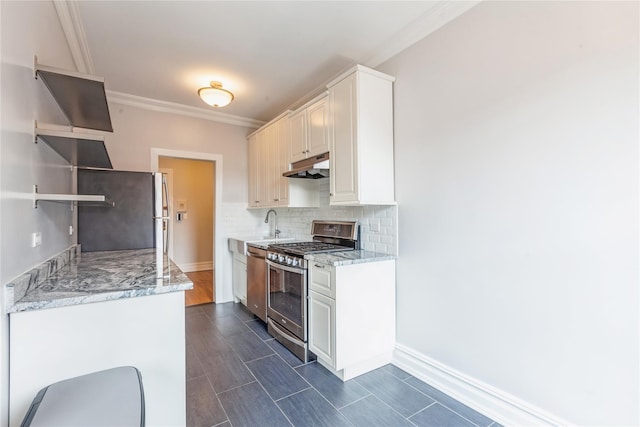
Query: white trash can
{"points": [[109, 398]]}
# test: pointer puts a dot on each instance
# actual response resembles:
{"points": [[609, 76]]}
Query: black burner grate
{"points": [[303, 248]]}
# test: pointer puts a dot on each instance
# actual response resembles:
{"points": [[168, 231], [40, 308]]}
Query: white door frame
{"points": [[221, 294]]}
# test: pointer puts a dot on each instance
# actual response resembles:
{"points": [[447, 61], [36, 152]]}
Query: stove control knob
{"points": [[280, 258], [289, 260], [295, 262]]}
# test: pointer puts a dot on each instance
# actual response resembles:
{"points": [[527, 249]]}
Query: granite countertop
{"points": [[72, 278], [348, 257], [260, 244], [239, 244]]}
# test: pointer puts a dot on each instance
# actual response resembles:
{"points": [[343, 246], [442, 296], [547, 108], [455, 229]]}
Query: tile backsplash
{"points": [[378, 224]]}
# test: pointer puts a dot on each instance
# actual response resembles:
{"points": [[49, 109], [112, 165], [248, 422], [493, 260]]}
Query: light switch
{"points": [[36, 239], [181, 205]]}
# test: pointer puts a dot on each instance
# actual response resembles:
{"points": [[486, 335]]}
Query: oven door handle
{"points": [[284, 334], [286, 268]]}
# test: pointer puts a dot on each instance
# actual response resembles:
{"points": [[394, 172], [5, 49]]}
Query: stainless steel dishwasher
{"points": [[257, 281]]}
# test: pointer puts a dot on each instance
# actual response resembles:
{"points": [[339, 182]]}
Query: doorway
{"points": [[191, 194], [193, 247]]}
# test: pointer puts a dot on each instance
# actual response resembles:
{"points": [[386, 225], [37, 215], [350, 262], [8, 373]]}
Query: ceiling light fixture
{"points": [[215, 95]]}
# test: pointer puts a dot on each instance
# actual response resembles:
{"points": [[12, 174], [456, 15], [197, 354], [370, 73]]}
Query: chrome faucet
{"points": [[276, 232]]}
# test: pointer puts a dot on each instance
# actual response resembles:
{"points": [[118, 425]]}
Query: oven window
{"points": [[286, 293]]}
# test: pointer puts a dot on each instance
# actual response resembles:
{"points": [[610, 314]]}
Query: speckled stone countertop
{"points": [[258, 242], [348, 257], [264, 244], [72, 278]]}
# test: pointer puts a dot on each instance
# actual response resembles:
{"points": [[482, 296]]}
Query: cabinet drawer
{"points": [[322, 279]]}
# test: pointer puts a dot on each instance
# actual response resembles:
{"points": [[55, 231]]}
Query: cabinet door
{"points": [[254, 157], [322, 327], [298, 136], [283, 156], [343, 141], [240, 277], [318, 131], [262, 167], [273, 165]]}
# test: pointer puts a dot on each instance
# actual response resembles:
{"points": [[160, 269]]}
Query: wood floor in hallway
{"points": [[202, 292]]}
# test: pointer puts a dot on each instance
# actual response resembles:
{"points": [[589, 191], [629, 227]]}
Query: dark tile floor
{"points": [[238, 375]]}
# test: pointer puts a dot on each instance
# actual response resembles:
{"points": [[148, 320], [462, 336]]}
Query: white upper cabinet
{"points": [[309, 130], [257, 196], [360, 106], [353, 121], [298, 141], [317, 123], [282, 162], [268, 159]]}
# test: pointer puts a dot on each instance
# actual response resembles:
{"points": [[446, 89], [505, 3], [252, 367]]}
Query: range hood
{"points": [[315, 167]]}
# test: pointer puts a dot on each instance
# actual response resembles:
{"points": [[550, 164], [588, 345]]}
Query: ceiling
{"points": [[269, 54]]}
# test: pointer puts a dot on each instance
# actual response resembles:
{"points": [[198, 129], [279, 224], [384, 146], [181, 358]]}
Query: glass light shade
{"points": [[215, 95]]}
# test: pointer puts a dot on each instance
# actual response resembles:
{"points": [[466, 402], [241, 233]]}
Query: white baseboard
{"points": [[196, 266], [500, 406]]}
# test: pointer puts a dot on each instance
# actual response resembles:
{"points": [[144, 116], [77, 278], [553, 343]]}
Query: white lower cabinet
{"points": [[239, 278], [352, 313], [47, 346]]}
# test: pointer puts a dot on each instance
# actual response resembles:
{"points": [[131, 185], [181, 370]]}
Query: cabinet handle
{"points": [[276, 200], [318, 266], [331, 194], [257, 201]]}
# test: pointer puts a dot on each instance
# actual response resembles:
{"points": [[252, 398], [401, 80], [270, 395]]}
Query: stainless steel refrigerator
{"points": [[138, 220]]}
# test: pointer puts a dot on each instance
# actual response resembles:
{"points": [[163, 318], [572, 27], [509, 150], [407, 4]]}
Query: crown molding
{"points": [[181, 109], [442, 12], [69, 17], [71, 23]]}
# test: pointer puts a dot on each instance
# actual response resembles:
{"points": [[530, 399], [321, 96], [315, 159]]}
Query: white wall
{"points": [[27, 29], [516, 144], [136, 131]]}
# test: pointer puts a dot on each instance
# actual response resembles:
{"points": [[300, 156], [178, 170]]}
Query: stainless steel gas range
{"points": [[287, 286]]}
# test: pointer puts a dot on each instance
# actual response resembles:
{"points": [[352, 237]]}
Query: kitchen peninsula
{"points": [[80, 313]]}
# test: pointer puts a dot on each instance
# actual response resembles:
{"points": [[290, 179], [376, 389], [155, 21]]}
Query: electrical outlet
{"points": [[36, 239], [374, 226], [71, 230]]}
